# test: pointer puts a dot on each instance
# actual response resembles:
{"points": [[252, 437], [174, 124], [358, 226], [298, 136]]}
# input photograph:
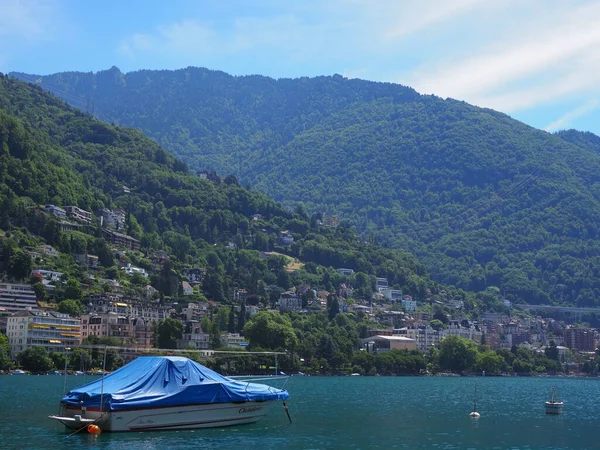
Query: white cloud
{"points": [[409, 18], [24, 19], [581, 111], [524, 66], [193, 38], [508, 55]]}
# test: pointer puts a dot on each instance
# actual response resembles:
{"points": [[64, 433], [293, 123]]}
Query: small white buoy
{"points": [[474, 415]]}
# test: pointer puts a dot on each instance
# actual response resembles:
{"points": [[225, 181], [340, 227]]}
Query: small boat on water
{"points": [[474, 414], [554, 405], [165, 393]]}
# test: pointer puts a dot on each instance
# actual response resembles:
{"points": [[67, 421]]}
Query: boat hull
{"points": [[167, 418], [554, 407]]}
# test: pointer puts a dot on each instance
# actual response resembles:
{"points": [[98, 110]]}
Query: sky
{"points": [[536, 60]]}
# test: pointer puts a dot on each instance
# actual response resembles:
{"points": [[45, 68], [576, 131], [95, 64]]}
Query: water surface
{"points": [[342, 413]]}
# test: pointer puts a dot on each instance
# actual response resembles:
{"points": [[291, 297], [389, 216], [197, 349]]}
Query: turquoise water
{"points": [[343, 413]]}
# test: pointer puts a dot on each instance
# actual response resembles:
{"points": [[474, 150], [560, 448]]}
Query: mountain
{"points": [[584, 139], [481, 199], [51, 153]]}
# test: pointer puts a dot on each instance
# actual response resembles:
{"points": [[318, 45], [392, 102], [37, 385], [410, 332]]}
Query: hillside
{"points": [[54, 154], [481, 199]]}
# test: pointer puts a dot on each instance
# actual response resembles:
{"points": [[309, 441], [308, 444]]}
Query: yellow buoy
{"points": [[94, 429]]}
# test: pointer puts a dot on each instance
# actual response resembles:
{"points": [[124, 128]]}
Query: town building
{"points": [[48, 250], [143, 333], [90, 261], [120, 239], [345, 272], [17, 297], [55, 211], [290, 301], [187, 288], [133, 270], [78, 214], [578, 338], [392, 295], [237, 295], [4, 315], [233, 340], [286, 238], [381, 283], [331, 221], [380, 343], [107, 324], [53, 331], [408, 303], [150, 291], [194, 274], [425, 337], [114, 219], [194, 311], [49, 275], [194, 336]]}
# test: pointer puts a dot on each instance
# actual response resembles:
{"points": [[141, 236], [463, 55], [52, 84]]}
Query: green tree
{"points": [[214, 336], [80, 359], [436, 324], [20, 265], [73, 290], [70, 307], [40, 291], [58, 359], [490, 362], [551, 351], [457, 354], [5, 361], [35, 359], [113, 360], [271, 330], [169, 331]]}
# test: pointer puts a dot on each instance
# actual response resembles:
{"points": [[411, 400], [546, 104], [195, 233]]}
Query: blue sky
{"points": [[536, 60]]}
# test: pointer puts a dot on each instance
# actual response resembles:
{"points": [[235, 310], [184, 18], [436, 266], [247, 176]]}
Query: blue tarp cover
{"points": [[160, 381]]}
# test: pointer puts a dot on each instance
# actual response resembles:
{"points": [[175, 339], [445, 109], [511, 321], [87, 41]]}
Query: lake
{"points": [[343, 413]]}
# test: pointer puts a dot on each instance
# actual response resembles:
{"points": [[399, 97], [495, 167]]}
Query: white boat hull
{"points": [[554, 407], [167, 418]]}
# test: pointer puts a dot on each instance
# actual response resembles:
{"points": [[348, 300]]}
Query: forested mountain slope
{"points": [[51, 153], [483, 200]]}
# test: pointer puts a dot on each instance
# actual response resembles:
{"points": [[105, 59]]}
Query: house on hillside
{"points": [[187, 288], [49, 250], [149, 291], [114, 218], [345, 272], [285, 238], [381, 283], [194, 274], [121, 239], [290, 301], [90, 261], [79, 214], [55, 211], [132, 270]]}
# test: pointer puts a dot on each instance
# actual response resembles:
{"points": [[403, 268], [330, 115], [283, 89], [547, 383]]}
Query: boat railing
{"points": [[251, 379]]}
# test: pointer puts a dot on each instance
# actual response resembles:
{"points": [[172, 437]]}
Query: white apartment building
{"points": [[17, 297], [55, 332]]}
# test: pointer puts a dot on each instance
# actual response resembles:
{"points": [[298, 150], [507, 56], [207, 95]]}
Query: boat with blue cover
{"points": [[166, 393]]}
